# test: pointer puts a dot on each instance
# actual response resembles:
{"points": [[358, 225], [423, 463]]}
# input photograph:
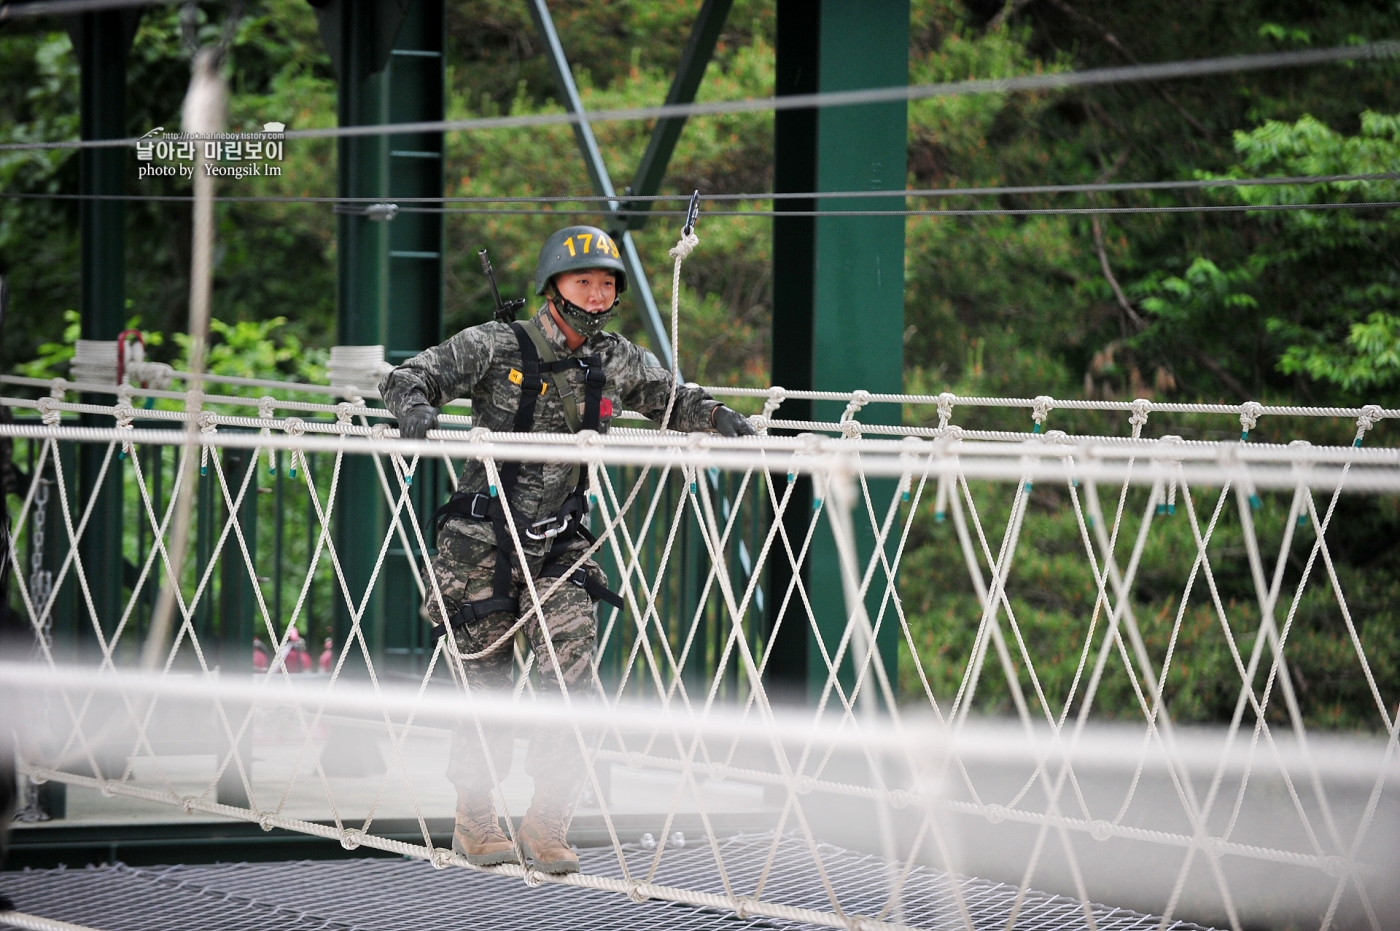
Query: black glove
{"points": [[731, 423], [417, 421]]}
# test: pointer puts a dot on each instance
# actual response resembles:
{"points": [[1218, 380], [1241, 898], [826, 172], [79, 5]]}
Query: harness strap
{"points": [[474, 610], [568, 521], [595, 589]]}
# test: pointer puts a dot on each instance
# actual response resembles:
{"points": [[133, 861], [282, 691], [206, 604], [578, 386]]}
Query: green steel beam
{"points": [[238, 612], [389, 60], [838, 300], [101, 41], [694, 60], [602, 182]]}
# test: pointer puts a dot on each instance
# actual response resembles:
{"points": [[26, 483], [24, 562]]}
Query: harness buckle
{"points": [[517, 377], [484, 501]]}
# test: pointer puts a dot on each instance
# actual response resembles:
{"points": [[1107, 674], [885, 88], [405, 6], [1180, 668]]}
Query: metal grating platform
{"points": [[409, 895]]}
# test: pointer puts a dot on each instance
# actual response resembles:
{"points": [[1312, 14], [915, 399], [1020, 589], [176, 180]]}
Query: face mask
{"points": [[584, 323]]}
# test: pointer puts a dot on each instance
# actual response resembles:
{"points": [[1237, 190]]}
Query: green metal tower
{"points": [[101, 41], [389, 61], [838, 293]]}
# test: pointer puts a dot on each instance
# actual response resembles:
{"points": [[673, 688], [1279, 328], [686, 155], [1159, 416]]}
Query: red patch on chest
{"points": [[605, 408]]}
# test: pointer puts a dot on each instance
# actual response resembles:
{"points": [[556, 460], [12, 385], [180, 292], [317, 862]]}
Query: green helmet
{"points": [[576, 247]]}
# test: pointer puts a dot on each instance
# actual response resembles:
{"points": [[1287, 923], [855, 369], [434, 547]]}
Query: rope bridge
{"points": [[688, 732]]}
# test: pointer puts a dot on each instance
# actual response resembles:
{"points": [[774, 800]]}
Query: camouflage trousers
{"points": [[465, 568]]}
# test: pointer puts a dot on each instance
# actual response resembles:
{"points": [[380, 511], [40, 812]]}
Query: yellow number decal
{"points": [[570, 243], [587, 240], [606, 245]]}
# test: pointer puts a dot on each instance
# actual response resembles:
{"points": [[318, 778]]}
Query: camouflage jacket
{"points": [[477, 362]]}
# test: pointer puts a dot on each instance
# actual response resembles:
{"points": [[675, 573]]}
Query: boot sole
{"points": [[492, 859], [556, 868], [486, 859]]}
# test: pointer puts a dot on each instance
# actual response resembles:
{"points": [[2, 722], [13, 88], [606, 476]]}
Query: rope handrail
{"points": [[1169, 407]]}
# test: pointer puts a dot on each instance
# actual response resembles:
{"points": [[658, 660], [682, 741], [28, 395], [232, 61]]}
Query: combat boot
{"points": [[478, 836], [544, 834]]}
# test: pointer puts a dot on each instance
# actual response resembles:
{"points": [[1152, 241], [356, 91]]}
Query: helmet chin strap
{"points": [[581, 320]]}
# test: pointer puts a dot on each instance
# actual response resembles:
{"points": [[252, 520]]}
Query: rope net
{"points": [[1085, 786]]}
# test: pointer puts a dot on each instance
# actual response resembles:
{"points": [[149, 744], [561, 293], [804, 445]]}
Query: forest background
{"points": [[1278, 307]]}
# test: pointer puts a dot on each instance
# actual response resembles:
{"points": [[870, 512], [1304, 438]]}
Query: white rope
{"points": [[642, 544], [679, 252], [38, 923]]}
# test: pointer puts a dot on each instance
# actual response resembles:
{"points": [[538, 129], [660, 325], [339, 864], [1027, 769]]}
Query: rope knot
{"points": [[637, 892], [1101, 830], [1250, 412], [153, 374], [684, 246], [899, 798], [124, 413], [441, 858], [57, 388], [207, 422], [48, 407], [1040, 409], [194, 400], [945, 408], [294, 426], [534, 878], [859, 398], [587, 438], [718, 771], [850, 429], [265, 404], [776, 396], [343, 412], [378, 430], [996, 814], [1371, 415], [187, 804], [265, 821], [350, 839], [1141, 408]]}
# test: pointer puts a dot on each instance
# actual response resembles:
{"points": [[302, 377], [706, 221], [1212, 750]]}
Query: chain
{"points": [[33, 807], [41, 579]]}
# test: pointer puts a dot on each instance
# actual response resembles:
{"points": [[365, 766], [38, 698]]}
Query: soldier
{"points": [[557, 372]]}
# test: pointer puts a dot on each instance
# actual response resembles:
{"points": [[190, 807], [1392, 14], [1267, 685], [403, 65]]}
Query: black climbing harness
{"points": [[564, 525]]}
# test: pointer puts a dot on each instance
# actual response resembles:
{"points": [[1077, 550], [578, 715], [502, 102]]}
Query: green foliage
{"points": [[53, 358]]}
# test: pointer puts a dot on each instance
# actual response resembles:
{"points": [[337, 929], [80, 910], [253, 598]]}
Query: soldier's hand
{"points": [[417, 421], [731, 423]]}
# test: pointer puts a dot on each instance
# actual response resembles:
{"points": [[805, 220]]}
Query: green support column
{"points": [[838, 302], [238, 614], [390, 65], [101, 41]]}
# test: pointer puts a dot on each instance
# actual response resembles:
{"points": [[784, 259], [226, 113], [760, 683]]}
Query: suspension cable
{"points": [[990, 191], [1096, 77]]}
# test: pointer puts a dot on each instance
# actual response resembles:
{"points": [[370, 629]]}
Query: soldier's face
{"points": [[593, 289]]}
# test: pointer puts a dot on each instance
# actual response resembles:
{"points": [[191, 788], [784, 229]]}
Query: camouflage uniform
{"points": [[477, 361]]}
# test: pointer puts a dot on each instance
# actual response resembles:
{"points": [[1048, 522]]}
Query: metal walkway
{"points": [[408, 895]]}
